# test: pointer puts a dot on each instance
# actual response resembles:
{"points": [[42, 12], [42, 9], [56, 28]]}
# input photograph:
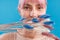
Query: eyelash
{"points": [[40, 7], [26, 7], [29, 8]]}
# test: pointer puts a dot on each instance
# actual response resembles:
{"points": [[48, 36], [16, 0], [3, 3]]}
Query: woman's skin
{"points": [[30, 9]]}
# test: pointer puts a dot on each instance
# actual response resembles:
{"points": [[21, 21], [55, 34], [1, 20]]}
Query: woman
{"points": [[30, 9]]}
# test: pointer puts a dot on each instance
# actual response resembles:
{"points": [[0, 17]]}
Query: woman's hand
{"points": [[36, 33], [33, 35]]}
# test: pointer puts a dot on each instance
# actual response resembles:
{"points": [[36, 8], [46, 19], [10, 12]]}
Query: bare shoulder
{"points": [[8, 36]]}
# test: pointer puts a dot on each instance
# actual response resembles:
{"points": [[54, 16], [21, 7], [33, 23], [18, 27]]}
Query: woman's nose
{"points": [[34, 13]]}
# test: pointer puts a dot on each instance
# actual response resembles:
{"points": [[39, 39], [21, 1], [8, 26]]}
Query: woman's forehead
{"points": [[34, 1]]}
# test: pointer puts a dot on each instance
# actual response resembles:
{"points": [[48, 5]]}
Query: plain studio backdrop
{"points": [[9, 13]]}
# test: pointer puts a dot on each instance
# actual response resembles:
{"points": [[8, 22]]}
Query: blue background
{"points": [[9, 13]]}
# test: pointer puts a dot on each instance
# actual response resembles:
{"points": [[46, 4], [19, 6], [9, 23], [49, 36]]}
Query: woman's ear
{"points": [[19, 9]]}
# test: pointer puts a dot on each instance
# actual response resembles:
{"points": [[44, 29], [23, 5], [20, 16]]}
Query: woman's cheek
{"points": [[26, 14], [42, 12], [22, 13]]}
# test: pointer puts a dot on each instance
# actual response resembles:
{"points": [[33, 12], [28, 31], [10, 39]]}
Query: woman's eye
{"points": [[27, 8], [39, 8]]}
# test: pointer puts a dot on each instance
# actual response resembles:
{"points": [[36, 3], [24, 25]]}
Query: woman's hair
{"points": [[20, 1]]}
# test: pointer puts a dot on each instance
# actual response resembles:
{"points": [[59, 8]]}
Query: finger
{"points": [[35, 20], [28, 26], [49, 27], [44, 16], [22, 19], [20, 31], [48, 23], [50, 35]]}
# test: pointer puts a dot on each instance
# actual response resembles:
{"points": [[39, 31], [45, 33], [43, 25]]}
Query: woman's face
{"points": [[32, 8]]}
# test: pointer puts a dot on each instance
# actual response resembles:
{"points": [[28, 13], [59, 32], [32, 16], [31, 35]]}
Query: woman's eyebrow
{"points": [[27, 5], [42, 5], [39, 5]]}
